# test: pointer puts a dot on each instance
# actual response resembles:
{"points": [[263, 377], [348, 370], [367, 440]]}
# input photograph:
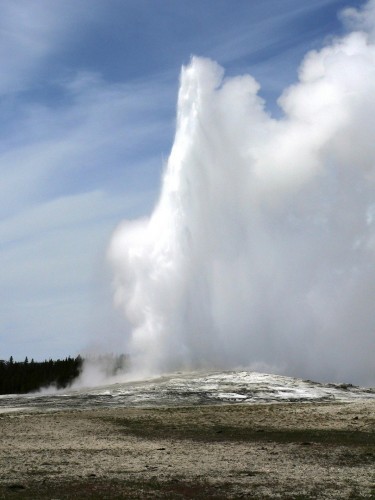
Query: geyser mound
{"points": [[261, 249]]}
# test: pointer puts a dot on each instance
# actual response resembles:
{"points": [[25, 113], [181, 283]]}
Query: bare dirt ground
{"points": [[289, 450]]}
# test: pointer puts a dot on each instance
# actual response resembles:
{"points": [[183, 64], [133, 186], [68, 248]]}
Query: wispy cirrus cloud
{"points": [[29, 35], [64, 188]]}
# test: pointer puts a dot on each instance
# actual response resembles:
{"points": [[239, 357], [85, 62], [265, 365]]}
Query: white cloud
{"points": [[361, 19]]}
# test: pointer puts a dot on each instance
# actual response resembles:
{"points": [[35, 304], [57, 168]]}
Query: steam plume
{"points": [[261, 249]]}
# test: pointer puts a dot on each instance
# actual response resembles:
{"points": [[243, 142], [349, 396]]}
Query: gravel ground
{"points": [[289, 450]]}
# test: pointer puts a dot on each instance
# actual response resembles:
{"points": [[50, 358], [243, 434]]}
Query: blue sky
{"points": [[87, 99]]}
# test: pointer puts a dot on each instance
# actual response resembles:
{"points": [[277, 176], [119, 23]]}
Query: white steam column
{"points": [[261, 249]]}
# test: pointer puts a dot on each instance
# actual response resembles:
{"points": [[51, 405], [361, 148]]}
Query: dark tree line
{"points": [[28, 376]]}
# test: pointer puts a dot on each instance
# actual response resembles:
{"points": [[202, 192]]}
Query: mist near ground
{"points": [[260, 252]]}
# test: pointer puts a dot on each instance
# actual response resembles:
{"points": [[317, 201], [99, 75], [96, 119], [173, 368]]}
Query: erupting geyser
{"points": [[261, 249]]}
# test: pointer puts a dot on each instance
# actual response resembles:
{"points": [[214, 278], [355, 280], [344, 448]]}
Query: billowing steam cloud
{"points": [[261, 249]]}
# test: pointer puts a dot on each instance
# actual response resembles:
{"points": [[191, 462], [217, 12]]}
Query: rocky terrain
{"points": [[293, 450]]}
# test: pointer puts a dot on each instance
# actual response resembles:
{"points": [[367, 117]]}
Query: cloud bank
{"points": [[261, 249]]}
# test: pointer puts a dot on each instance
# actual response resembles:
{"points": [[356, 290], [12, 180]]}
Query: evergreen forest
{"points": [[28, 376]]}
